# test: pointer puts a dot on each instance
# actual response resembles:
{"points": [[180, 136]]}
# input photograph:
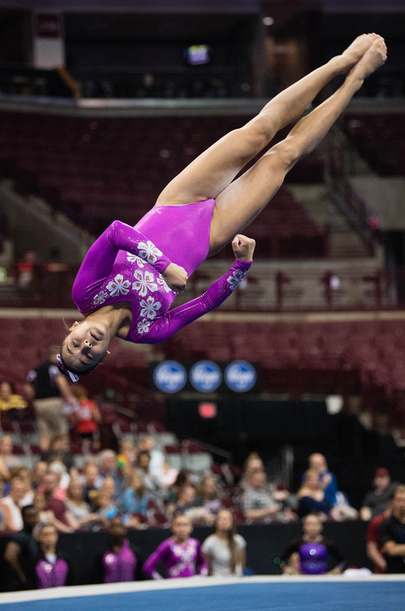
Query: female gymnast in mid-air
{"points": [[130, 275]]}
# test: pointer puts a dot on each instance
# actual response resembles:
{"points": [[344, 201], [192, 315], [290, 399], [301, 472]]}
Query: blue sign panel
{"points": [[170, 376], [240, 376], [205, 376]]}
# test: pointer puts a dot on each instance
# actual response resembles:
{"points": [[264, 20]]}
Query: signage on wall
{"points": [[170, 376], [205, 376]]}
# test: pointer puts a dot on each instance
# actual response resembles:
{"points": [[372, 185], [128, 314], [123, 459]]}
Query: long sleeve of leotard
{"points": [[181, 316], [99, 260], [157, 557]]}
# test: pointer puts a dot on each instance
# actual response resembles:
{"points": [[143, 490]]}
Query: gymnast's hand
{"points": [[175, 277], [243, 247]]}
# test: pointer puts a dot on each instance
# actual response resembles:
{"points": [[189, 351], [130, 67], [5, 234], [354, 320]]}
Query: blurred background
{"points": [[101, 104]]}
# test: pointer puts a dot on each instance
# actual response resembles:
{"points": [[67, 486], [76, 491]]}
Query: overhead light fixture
{"points": [[268, 20]]}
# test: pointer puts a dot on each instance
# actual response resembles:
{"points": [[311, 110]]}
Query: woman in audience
{"points": [[9, 399], [311, 496], [7, 459], [76, 504], [135, 498], [202, 210], [225, 551], [180, 554], [24, 474]]}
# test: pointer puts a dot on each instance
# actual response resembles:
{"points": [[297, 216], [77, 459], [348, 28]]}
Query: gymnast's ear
{"points": [[75, 324]]}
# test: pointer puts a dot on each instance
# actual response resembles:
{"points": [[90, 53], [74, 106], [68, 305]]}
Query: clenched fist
{"points": [[175, 277], [243, 247]]}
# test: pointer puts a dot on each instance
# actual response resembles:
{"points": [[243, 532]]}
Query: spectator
{"points": [[317, 462], [7, 459], [183, 478], [9, 400], [311, 497], [104, 507], [21, 552], [186, 501], [52, 569], [38, 472], [24, 474], [392, 533], [207, 502], [27, 270], [59, 450], [225, 551], [135, 499], [76, 504], [257, 503], [376, 502], [316, 554], [157, 459], [109, 468], [11, 507], [91, 481], [120, 561], [49, 388], [126, 457], [86, 418], [252, 464], [58, 468], [180, 554], [152, 484], [44, 515], [373, 541], [65, 521]]}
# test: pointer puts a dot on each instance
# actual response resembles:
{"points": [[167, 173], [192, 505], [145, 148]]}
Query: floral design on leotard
{"points": [[150, 307], [144, 283], [100, 298], [135, 259], [149, 252], [235, 279], [118, 286], [143, 326], [162, 281]]}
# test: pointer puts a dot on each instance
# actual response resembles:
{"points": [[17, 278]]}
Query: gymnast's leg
{"points": [[244, 198], [208, 175]]}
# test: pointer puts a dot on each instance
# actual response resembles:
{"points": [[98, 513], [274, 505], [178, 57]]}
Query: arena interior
{"points": [[102, 103]]}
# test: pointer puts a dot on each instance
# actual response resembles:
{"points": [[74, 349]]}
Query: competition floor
{"points": [[371, 593]]}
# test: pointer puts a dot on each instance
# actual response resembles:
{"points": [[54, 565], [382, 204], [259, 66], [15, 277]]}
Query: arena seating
{"points": [[94, 170], [380, 138]]}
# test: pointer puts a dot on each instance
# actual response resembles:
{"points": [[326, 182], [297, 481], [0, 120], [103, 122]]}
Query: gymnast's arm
{"points": [[158, 556], [100, 257], [181, 316]]}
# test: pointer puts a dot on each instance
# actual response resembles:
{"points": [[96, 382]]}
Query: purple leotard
{"points": [[51, 575], [180, 559], [126, 264], [119, 566]]}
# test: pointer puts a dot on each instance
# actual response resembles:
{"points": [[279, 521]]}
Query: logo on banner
{"points": [[240, 376], [205, 376], [170, 376]]}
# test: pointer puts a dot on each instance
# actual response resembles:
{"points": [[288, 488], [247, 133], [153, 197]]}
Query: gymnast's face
{"points": [[85, 345]]}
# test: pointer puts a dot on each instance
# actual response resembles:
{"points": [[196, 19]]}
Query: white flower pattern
{"points": [[149, 252], [162, 281], [144, 283], [118, 286], [100, 298], [235, 279], [135, 259], [150, 307], [143, 326]]}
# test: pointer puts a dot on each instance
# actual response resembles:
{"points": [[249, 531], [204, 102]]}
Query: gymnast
{"points": [[130, 276]]}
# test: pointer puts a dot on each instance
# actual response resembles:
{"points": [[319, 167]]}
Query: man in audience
{"points": [[109, 468], [20, 554], [376, 502], [257, 502], [392, 533], [59, 450], [50, 390], [92, 481], [373, 540]]}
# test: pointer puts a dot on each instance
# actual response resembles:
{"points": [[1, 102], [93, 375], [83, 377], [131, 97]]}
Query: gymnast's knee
{"points": [[286, 153]]}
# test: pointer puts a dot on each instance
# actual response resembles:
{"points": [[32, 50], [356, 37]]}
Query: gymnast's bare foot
{"points": [[373, 59], [356, 50]]}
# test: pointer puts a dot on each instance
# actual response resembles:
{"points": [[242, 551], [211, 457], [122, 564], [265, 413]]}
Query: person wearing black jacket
{"points": [[20, 554]]}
